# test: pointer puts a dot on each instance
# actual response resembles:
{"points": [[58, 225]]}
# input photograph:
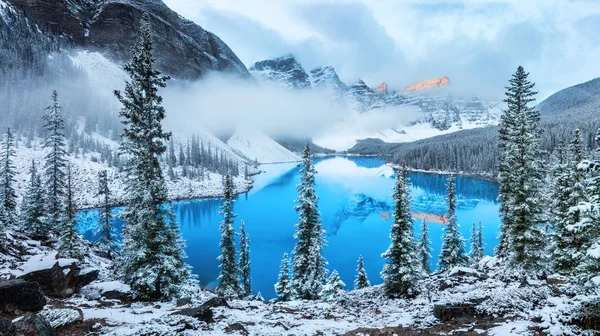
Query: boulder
{"points": [[215, 302], [556, 279], [61, 280], [236, 328], [62, 317], [201, 313], [17, 296], [33, 325], [447, 312], [86, 276], [112, 290], [6, 326], [467, 272], [183, 302]]}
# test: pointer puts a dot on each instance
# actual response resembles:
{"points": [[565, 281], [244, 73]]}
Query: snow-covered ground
{"points": [[257, 146], [484, 304]]}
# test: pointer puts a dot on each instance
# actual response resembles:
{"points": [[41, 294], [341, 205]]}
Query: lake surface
{"points": [[356, 208]]}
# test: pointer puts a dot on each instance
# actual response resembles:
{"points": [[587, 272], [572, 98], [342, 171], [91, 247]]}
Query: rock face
{"points": [[18, 296], [183, 49]]}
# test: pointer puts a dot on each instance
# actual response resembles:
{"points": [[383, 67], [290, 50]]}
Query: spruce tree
{"points": [[568, 221], [402, 269], [244, 261], [588, 229], [361, 281], [56, 163], [453, 244], [283, 287], [522, 237], [105, 230], [424, 248], [229, 285], [173, 256], [171, 159], [152, 255], [33, 220], [308, 268], [476, 240], [70, 243], [333, 286], [8, 207]]}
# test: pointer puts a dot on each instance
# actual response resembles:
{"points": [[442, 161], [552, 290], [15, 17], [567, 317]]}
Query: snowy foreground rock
{"points": [[465, 300]]}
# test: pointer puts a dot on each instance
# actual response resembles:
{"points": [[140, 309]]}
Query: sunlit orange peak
{"points": [[437, 82]]}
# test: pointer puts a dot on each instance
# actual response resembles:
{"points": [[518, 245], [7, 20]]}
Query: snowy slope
{"points": [[257, 146]]}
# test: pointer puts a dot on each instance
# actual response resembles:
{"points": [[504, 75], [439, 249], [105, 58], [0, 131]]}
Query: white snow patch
{"points": [[42, 262], [257, 146]]}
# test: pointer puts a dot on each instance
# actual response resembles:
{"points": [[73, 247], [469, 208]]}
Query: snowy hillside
{"points": [[87, 166], [259, 147]]}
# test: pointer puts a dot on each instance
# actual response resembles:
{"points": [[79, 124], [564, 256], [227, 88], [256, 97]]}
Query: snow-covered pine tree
{"points": [[453, 244], [424, 248], [229, 282], [568, 222], [171, 159], [173, 256], [361, 281], [333, 286], [56, 164], [402, 269], [522, 237], [149, 255], [588, 228], [283, 287], [32, 208], [308, 268], [70, 244], [105, 230], [244, 261], [8, 207], [476, 242]]}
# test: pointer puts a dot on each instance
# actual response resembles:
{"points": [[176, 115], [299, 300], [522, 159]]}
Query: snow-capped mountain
{"points": [[284, 70], [260, 148], [184, 49], [438, 111]]}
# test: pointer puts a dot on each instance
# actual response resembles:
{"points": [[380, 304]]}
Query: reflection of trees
{"points": [[466, 187], [191, 212]]}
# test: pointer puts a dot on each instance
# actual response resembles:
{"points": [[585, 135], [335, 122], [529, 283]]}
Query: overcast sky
{"points": [[476, 43]]}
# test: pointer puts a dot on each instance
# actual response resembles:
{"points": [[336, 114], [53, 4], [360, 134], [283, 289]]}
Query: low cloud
{"points": [[222, 104]]}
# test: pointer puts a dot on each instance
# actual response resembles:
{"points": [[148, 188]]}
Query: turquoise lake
{"points": [[356, 208]]}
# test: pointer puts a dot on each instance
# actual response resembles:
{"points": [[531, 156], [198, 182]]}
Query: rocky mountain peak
{"points": [[183, 49], [285, 71], [436, 82], [326, 77]]}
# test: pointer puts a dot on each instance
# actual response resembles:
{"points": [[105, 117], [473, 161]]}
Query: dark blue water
{"points": [[356, 208]]}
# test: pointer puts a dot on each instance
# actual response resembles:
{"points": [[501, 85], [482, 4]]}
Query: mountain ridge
{"points": [[183, 49]]}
